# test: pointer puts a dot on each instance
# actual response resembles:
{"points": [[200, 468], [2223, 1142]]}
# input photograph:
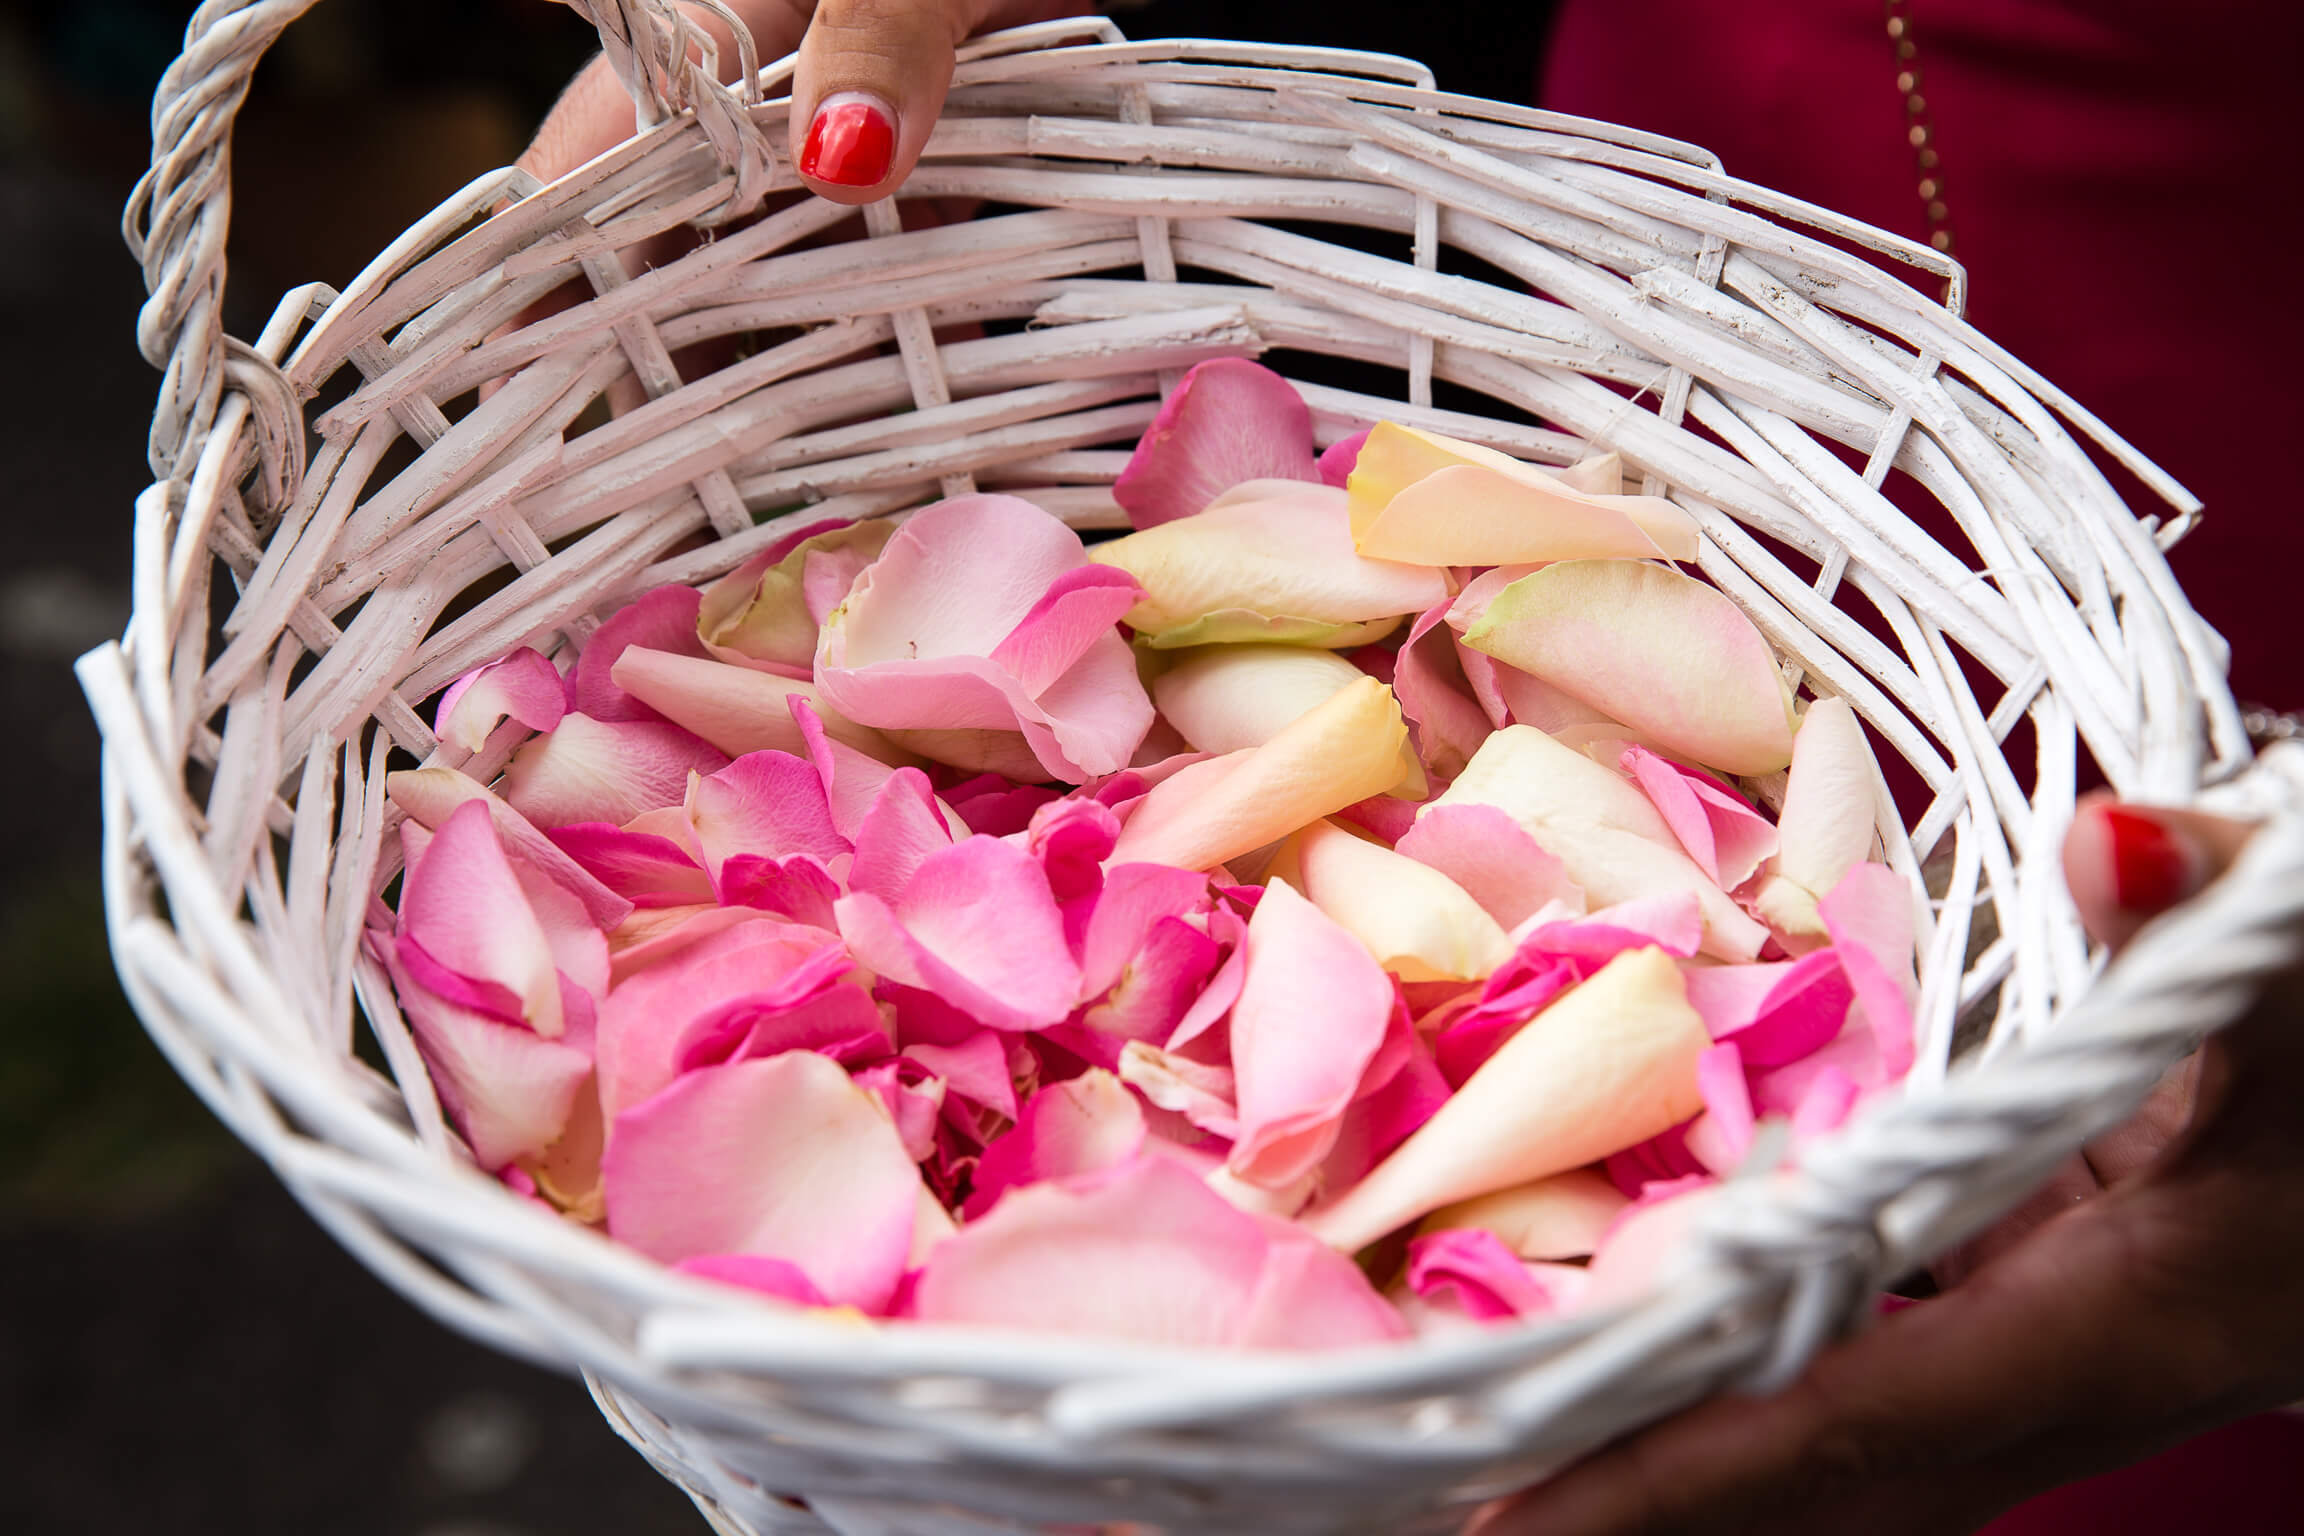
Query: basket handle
{"points": [[177, 216]]}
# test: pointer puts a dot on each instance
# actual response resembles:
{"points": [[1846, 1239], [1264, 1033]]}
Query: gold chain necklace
{"points": [[1919, 128]]}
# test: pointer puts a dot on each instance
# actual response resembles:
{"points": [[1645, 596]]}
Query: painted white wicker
{"points": [[1161, 203]]}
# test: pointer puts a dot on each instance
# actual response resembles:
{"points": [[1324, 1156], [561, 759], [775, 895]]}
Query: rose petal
{"points": [[752, 1272], [1343, 751], [464, 918], [766, 804], [606, 771], [978, 925], [1665, 653], [1718, 827], [783, 1158], [1090, 1123], [1227, 697], [1610, 1063], [1722, 1135], [1148, 1252], [707, 998], [1419, 924], [767, 610], [1472, 1270], [1561, 1217], [1204, 1095], [1465, 499], [1436, 696], [1276, 565], [663, 620], [1604, 832], [1312, 1011], [1828, 820], [1476, 514], [735, 708], [1227, 421], [1641, 1253], [1485, 853], [1775, 1013], [897, 834], [524, 686], [508, 1089], [1869, 916], [429, 796], [1337, 460], [644, 869]]}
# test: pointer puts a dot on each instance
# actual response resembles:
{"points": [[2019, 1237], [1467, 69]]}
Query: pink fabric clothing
{"points": [[2121, 182]]}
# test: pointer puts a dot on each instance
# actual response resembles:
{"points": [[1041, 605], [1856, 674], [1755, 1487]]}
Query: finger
{"points": [[869, 84], [2126, 864]]}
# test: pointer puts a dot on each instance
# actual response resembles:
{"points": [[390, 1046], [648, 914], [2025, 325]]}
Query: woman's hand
{"points": [[2148, 1296], [869, 85]]}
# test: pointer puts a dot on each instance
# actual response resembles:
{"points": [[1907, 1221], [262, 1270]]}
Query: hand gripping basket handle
{"points": [[178, 213]]}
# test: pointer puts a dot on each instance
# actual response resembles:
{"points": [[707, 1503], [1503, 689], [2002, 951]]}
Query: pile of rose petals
{"points": [[1327, 913]]}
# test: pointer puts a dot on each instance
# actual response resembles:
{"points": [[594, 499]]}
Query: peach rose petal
{"points": [[1418, 496], [1419, 924], [737, 709], [1666, 654], [1610, 1064], [1344, 751], [1827, 825], [1560, 1217]]}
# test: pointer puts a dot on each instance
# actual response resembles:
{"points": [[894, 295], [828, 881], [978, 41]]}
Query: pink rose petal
{"points": [[1148, 1252], [644, 869], [1472, 1270], [782, 1158], [1337, 459], [524, 686], [976, 924], [752, 1272], [1088, 1124], [1777, 1012], [1869, 917], [1721, 831], [430, 796], [1313, 1009], [896, 835], [465, 919], [605, 771], [767, 804], [662, 620], [1722, 1135], [1485, 851], [1228, 421]]}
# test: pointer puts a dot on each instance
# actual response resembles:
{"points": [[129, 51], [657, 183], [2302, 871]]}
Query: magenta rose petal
{"points": [[1228, 421]]}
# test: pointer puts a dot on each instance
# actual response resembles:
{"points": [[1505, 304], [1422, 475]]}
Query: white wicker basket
{"points": [[1719, 336]]}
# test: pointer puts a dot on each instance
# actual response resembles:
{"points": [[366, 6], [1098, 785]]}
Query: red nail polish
{"points": [[2151, 871], [851, 142]]}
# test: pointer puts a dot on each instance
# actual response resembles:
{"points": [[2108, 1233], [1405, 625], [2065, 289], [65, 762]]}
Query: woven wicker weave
{"points": [[369, 530]]}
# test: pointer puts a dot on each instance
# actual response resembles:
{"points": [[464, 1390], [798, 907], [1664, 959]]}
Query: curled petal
{"points": [[430, 796], [1133, 900], [1665, 653], [1202, 1094], [1718, 827], [1775, 1013], [1722, 1135], [605, 770], [1148, 1252], [766, 804], [768, 609], [507, 1088], [1827, 825], [1276, 564], [1228, 421], [1609, 1064], [1472, 1270], [1344, 751], [1436, 695], [783, 1158], [1313, 1009], [897, 834], [1083, 1126], [523, 687], [1337, 459], [466, 927]]}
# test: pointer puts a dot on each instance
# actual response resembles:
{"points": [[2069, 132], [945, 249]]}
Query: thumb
{"points": [[869, 85], [2127, 864]]}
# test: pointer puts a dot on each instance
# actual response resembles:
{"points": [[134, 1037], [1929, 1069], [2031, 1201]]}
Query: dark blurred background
{"points": [[181, 1349]]}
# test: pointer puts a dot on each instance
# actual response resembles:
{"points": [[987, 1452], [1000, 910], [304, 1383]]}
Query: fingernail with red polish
{"points": [[2152, 867], [851, 141]]}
